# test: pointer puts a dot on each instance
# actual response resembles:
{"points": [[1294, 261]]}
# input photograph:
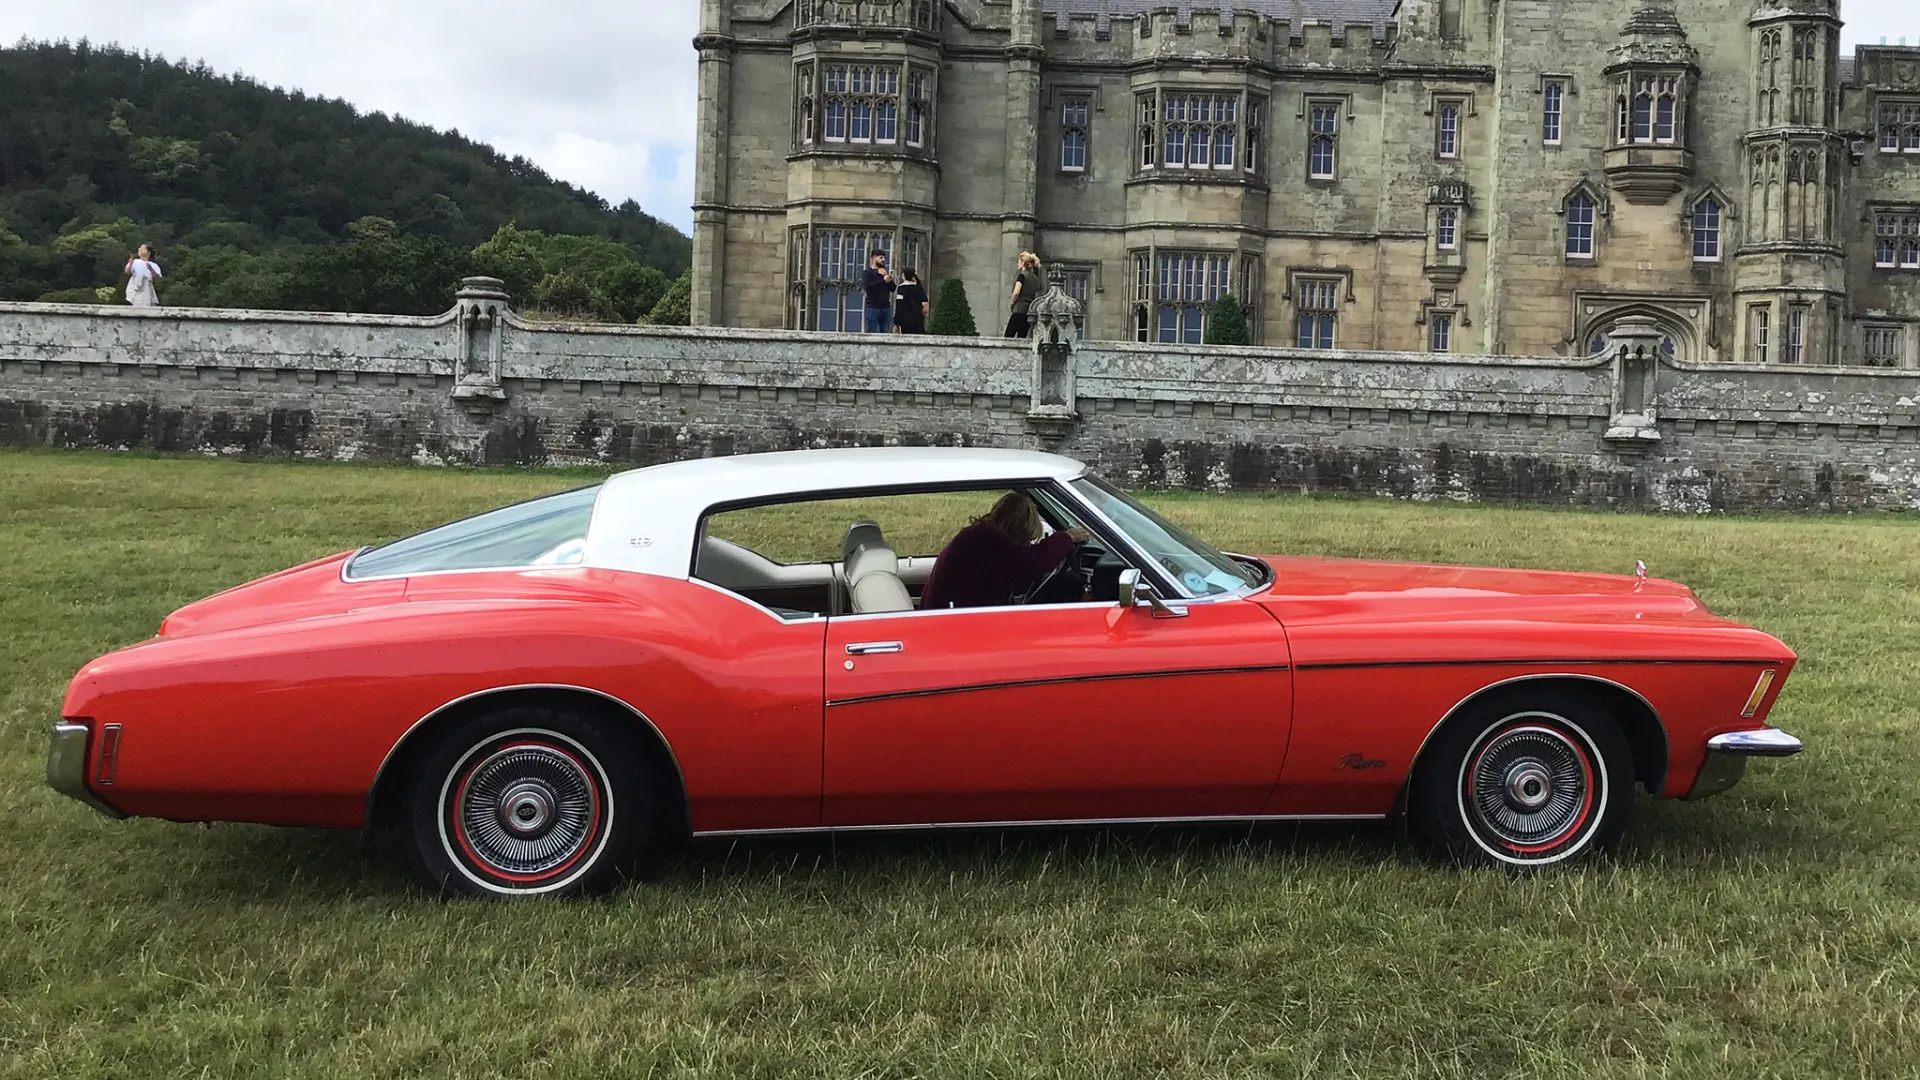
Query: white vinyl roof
{"points": [[646, 520]]}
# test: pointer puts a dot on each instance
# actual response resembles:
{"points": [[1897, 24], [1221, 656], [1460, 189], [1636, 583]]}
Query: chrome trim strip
{"points": [[1501, 662], [1414, 762], [1227, 819], [67, 766], [380, 773], [1764, 742], [970, 688]]}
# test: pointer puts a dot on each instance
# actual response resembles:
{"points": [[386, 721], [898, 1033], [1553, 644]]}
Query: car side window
{"points": [[849, 556]]}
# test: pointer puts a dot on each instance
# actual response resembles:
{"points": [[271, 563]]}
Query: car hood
{"points": [[1338, 610]]}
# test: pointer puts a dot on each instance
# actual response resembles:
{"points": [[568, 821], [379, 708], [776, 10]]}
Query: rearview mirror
{"points": [[1137, 592]]}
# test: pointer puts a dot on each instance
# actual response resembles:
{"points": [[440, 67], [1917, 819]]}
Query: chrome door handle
{"points": [[868, 648]]}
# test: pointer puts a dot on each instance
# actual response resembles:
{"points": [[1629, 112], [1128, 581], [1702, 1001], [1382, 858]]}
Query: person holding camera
{"points": [[878, 285], [142, 273]]}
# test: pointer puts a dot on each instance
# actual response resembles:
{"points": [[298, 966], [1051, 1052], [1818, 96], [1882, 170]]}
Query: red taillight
{"points": [[108, 759]]}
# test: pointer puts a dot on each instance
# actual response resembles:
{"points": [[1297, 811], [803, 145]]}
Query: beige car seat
{"points": [[873, 572]]}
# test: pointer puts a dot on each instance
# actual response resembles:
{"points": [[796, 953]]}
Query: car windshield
{"points": [[549, 531], [1198, 568]]}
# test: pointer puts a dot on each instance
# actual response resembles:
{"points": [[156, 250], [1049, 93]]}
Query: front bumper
{"points": [[1727, 757], [67, 767]]}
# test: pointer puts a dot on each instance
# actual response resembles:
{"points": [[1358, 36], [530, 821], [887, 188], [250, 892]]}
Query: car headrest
{"points": [[861, 534]]}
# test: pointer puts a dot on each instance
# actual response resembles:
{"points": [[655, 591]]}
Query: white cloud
{"points": [[600, 93]]}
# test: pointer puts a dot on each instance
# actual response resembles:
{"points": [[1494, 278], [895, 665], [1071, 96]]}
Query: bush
{"points": [[1228, 324], [676, 307], [952, 316]]}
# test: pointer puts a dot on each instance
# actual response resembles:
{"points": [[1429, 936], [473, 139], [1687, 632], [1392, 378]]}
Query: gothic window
{"points": [[1441, 337], [1447, 129], [913, 253], [1580, 226], [1316, 306], [1447, 229], [803, 105], [1651, 115], [1883, 346], [1323, 139], [1797, 335], [1198, 131], [1706, 230], [916, 108], [1553, 102], [1079, 285], [862, 104], [1896, 241], [1076, 111], [838, 258], [1256, 113], [1759, 332], [1643, 116], [1186, 285], [1900, 127], [1767, 103]]}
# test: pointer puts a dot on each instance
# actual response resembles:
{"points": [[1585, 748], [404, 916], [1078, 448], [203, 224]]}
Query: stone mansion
{"points": [[1471, 176]]}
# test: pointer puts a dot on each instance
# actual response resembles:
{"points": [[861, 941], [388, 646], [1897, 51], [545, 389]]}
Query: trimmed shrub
{"points": [[952, 316], [1228, 324]]}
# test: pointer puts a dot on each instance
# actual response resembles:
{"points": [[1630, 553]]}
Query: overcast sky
{"points": [[597, 92]]}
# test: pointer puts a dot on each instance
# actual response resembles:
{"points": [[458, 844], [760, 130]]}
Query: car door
{"points": [[1045, 713]]}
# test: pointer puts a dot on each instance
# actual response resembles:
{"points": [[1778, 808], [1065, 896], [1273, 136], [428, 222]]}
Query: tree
{"points": [[952, 316], [1228, 323], [676, 307]]}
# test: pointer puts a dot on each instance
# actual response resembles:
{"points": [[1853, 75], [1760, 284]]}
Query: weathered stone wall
{"points": [[481, 385]]}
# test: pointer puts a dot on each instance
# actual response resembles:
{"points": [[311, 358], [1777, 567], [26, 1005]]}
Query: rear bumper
{"points": [[1727, 758], [67, 767]]}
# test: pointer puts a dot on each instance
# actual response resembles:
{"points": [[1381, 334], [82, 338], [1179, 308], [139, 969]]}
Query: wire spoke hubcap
{"points": [[1528, 787], [526, 810]]}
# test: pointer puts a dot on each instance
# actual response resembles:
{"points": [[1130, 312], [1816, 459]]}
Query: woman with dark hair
{"points": [[142, 272], [910, 305], [999, 554]]}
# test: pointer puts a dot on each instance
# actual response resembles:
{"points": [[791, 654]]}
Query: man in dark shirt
{"points": [[1000, 554], [878, 285]]}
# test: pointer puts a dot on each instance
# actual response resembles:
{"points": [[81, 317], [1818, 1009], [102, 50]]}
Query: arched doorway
{"points": [[1677, 341]]}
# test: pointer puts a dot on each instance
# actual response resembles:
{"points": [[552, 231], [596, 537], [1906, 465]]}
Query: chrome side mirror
{"points": [[1137, 592]]}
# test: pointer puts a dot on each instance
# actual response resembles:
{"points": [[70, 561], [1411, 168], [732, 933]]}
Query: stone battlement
{"points": [[482, 385]]}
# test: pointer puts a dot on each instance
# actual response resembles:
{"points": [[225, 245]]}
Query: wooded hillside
{"points": [[259, 197]]}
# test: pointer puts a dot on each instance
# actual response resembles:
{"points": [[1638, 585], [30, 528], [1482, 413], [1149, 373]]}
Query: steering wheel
{"points": [[1071, 566]]}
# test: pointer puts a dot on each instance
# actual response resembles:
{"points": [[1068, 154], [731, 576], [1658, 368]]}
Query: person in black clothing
{"points": [[1026, 289], [910, 305], [878, 285]]}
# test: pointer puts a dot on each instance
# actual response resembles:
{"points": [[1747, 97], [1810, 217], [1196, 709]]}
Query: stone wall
{"points": [[481, 385]]}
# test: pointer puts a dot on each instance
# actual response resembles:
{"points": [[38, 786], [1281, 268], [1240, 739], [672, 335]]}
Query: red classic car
{"points": [[735, 645]]}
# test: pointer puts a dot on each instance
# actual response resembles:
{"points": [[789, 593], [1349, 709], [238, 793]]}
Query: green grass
{"points": [[1772, 932]]}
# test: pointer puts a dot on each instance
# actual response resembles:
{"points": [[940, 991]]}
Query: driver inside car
{"points": [[996, 556]]}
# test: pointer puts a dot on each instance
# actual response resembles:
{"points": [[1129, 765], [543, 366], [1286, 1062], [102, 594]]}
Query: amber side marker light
{"points": [[109, 755], [1759, 694]]}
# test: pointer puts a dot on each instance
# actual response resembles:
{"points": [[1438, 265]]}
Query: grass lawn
{"points": [[1772, 932]]}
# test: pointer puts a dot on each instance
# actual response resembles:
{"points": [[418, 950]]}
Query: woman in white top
{"points": [[142, 272]]}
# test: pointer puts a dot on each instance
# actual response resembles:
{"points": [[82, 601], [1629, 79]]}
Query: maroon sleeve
{"points": [[1028, 561]]}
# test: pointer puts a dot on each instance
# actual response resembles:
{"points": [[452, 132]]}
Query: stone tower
{"points": [[1790, 270], [716, 47]]}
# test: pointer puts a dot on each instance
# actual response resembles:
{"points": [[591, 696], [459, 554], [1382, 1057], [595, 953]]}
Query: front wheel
{"points": [[528, 802], [1524, 781]]}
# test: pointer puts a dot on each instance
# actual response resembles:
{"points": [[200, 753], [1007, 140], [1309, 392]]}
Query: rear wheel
{"points": [[1524, 781], [528, 802]]}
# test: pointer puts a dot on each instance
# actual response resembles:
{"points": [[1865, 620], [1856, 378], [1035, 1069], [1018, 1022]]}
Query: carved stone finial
{"points": [[1634, 346], [1055, 320]]}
